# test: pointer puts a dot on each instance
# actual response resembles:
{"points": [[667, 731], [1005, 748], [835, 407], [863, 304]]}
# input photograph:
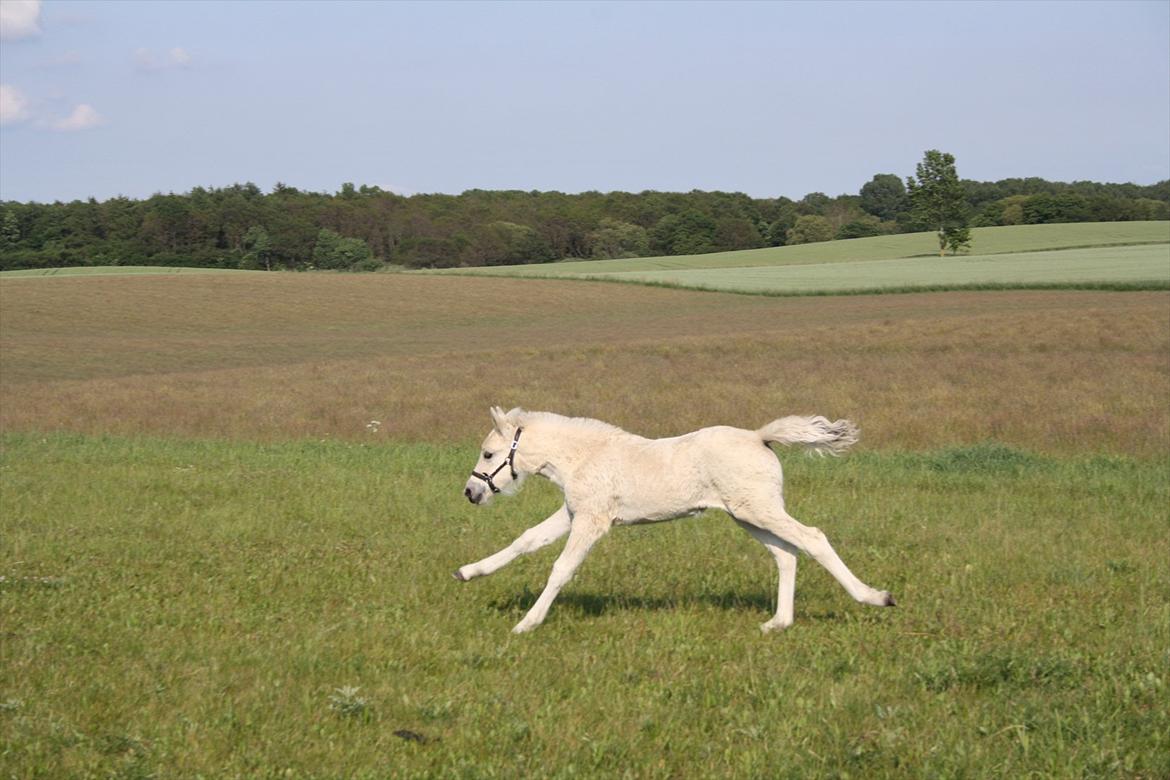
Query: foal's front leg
{"points": [[585, 532], [540, 535]]}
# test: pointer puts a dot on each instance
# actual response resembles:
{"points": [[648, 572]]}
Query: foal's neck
{"points": [[557, 446]]}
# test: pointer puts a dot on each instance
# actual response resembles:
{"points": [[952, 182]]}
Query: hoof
{"points": [[772, 626], [459, 576], [890, 600]]}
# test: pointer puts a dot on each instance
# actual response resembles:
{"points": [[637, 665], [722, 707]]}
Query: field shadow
{"points": [[593, 604]]}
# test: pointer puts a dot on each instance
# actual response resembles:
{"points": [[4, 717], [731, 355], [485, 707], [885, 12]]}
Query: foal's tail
{"points": [[816, 433]]}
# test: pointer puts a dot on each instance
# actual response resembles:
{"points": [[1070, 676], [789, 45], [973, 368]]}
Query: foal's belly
{"points": [[659, 517]]}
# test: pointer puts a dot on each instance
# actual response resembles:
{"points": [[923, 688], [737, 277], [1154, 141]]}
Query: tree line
{"points": [[366, 228]]}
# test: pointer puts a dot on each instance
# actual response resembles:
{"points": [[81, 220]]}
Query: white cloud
{"points": [[18, 19], [147, 61], [13, 105], [83, 117]]}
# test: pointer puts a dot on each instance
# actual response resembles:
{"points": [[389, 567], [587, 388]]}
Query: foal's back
{"points": [[700, 468]]}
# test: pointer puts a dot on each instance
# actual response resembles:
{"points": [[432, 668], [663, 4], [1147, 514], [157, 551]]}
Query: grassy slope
{"points": [[986, 241], [1102, 255], [1112, 265], [186, 609]]}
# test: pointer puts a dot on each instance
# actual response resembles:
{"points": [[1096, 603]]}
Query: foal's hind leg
{"points": [[812, 542], [785, 555]]}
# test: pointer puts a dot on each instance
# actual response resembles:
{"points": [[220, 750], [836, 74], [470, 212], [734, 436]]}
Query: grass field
{"points": [[230, 506], [268, 357], [1089, 254], [182, 609]]}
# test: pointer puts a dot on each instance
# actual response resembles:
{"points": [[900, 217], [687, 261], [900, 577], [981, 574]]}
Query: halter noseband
{"points": [[508, 462]]}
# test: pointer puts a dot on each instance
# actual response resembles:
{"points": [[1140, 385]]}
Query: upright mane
{"points": [[525, 418]]}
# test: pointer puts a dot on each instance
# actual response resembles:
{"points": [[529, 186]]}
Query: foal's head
{"points": [[495, 471]]}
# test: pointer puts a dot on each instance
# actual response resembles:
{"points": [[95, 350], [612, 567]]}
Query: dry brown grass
{"points": [[283, 356]]}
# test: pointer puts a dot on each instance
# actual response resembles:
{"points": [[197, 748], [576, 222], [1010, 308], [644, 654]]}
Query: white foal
{"points": [[611, 477]]}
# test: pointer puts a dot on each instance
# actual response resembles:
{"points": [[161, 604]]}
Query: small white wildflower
{"points": [[345, 701]]}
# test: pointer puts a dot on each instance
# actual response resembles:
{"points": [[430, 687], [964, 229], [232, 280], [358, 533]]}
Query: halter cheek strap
{"points": [[508, 462]]}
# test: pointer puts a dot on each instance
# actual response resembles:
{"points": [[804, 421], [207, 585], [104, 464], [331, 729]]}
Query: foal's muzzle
{"points": [[474, 493]]}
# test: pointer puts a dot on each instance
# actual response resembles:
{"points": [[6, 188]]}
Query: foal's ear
{"points": [[499, 420]]}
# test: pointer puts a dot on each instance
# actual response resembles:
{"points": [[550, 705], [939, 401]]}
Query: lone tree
{"points": [[936, 200]]}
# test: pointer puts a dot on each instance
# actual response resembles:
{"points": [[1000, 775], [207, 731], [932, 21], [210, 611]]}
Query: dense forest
{"points": [[366, 228]]}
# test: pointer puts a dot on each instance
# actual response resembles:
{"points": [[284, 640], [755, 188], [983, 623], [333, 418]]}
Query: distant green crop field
{"points": [[1103, 253], [985, 241], [1123, 264]]}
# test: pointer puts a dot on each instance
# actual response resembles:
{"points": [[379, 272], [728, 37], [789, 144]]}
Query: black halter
{"points": [[508, 462]]}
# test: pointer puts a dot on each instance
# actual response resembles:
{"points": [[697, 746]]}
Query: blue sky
{"points": [[107, 98]]}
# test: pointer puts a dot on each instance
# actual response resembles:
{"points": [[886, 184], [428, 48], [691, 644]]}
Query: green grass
{"points": [[1107, 255], [175, 608]]}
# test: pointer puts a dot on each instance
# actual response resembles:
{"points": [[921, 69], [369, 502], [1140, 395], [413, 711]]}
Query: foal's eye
{"points": [[487, 456]]}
